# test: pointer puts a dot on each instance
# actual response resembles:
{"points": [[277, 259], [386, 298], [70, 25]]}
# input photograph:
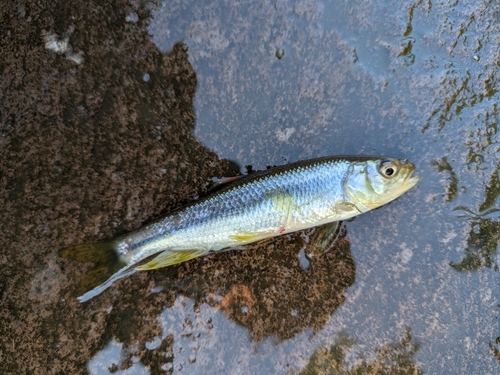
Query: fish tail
{"points": [[100, 252], [107, 266]]}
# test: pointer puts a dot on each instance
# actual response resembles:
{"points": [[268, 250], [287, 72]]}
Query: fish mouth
{"points": [[409, 180]]}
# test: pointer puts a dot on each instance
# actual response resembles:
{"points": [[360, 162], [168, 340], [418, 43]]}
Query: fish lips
{"points": [[410, 180]]}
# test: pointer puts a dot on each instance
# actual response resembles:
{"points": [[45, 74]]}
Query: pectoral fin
{"points": [[346, 208], [171, 257], [323, 238]]}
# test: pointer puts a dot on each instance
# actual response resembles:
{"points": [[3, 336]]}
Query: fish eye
{"points": [[388, 169]]}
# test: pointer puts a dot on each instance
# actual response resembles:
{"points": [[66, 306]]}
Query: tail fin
{"points": [[107, 267]]}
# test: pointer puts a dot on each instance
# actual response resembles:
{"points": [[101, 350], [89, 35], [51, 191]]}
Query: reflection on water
{"points": [[452, 188], [484, 232], [495, 348], [482, 245], [406, 51], [492, 191], [467, 80], [483, 135], [112, 360], [344, 357], [192, 329]]}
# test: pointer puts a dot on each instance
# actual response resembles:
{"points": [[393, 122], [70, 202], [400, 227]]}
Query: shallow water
{"points": [[139, 105]]}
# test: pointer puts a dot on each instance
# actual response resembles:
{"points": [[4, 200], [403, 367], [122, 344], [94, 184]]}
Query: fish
{"points": [[255, 207]]}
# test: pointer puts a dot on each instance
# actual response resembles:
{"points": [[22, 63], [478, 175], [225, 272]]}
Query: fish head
{"points": [[374, 182]]}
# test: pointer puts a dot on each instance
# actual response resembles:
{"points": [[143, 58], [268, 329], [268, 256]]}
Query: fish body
{"points": [[262, 205]]}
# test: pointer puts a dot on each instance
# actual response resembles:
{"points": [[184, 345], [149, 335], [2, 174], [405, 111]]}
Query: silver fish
{"points": [[261, 205]]}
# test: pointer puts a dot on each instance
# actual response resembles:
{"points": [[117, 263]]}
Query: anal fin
{"points": [[169, 258], [249, 237]]}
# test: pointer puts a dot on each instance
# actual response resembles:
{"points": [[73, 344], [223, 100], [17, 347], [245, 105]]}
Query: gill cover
{"points": [[372, 183], [357, 186]]}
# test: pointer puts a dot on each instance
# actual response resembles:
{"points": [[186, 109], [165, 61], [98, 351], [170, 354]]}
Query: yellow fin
{"points": [[171, 257], [248, 237]]}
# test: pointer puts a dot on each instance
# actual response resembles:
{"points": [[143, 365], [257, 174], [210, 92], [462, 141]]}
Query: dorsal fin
{"points": [[224, 181]]}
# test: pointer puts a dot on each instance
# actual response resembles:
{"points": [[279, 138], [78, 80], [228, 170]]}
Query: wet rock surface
{"points": [[114, 113]]}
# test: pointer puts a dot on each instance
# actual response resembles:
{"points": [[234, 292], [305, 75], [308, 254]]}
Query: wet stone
{"points": [[115, 113]]}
